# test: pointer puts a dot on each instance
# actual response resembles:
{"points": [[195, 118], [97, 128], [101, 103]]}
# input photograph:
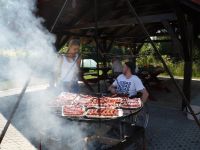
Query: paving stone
{"points": [[175, 132], [14, 140]]}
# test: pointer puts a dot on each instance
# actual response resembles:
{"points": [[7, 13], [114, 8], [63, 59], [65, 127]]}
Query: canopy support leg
{"points": [[186, 30], [162, 60]]}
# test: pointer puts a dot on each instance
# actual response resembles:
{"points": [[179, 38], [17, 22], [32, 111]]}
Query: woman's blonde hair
{"points": [[74, 42]]}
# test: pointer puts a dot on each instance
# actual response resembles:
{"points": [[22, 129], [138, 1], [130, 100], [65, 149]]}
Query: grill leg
{"points": [[40, 145], [121, 130], [144, 140]]}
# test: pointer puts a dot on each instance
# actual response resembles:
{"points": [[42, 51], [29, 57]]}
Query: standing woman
{"points": [[69, 67]]}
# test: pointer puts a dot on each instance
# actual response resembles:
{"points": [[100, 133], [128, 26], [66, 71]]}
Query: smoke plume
{"points": [[28, 48]]}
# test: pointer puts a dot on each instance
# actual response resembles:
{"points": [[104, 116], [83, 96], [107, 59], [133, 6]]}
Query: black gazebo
{"points": [[127, 22]]}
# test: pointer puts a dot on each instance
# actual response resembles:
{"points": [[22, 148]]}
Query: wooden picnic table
{"points": [[104, 75], [149, 76], [94, 75], [150, 73]]}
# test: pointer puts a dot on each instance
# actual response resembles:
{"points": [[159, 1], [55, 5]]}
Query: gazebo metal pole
{"points": [[25, 86], [96, 40], [97, 50], [58, 16], [162, 60], [133, 52], [14, 109]]}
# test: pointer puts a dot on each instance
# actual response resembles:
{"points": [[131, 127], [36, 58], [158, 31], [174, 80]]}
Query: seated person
{"points": [[116, 67], [128, 83]]}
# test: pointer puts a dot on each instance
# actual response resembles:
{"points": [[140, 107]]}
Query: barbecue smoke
{"points": [[27, 48]]}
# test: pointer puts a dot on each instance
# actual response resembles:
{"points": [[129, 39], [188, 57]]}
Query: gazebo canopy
{"points": [[115, 22]]}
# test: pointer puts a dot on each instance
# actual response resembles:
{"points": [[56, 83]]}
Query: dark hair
{"points": [[131, 66], [74, 42]]}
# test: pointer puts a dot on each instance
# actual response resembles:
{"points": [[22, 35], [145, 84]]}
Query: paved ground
{"points": [[168, 127], [14, 139]]}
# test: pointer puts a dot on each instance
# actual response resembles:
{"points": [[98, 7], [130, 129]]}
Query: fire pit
{"points": [[116, 112]]}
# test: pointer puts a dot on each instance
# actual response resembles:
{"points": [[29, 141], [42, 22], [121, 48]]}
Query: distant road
{"points": [[16, 91]]}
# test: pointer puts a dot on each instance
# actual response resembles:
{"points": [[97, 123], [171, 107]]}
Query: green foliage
{"points": [[63, 50], [147, 57], [169, 52]]}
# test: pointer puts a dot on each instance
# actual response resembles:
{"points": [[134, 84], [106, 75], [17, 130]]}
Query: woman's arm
{"points": [[80, 73], [79, 62]]}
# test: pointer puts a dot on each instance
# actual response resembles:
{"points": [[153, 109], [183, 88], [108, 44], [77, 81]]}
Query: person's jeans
{"points": [[72, 87]]}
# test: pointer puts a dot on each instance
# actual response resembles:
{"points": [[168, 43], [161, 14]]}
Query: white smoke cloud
{"points": [[22, 32], [22, 29]]}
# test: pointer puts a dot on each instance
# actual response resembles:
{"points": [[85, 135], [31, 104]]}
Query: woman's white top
{"points": [[69, 69]]}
